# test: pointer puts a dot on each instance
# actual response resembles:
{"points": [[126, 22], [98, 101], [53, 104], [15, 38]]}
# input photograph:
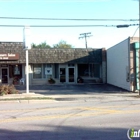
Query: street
{"points": [[90, 119]]}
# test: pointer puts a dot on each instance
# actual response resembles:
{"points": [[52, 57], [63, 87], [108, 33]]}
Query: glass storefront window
{"points": [[97, 70], [89, 70], [15, 70], [37, 71], [71, 65], [83, 70], [56, 70], [44, 73], [49, 65], [41, 71]]}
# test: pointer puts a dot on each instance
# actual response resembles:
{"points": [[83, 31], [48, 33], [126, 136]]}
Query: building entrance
{"points": [[67, 74], [4, 75]]}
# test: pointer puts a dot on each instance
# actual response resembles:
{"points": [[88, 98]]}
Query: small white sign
{"points": [[48, 71], [37, 70], [26, 38]]}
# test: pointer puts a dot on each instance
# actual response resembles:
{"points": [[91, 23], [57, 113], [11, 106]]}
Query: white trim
{"points": [[67, 72]]}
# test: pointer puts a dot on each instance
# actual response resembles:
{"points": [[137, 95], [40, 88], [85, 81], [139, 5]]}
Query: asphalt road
{"points": [[90, 119], [72, 89]]}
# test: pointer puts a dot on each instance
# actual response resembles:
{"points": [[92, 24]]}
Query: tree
{"points": [[41, 45], [34, 45], [62, 45]]}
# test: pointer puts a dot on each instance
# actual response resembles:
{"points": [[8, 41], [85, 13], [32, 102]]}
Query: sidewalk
{"points": [[61, 97]]}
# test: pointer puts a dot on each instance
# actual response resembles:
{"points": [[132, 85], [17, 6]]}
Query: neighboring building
{"points": [[63, 65], [123, 66]]}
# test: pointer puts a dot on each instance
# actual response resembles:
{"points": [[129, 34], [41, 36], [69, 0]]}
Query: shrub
{"points": [[8, 89], [51, 81]]}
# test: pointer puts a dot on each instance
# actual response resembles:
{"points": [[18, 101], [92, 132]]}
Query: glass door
{"points": [[62, 75], [4, 75], [71, 74]]}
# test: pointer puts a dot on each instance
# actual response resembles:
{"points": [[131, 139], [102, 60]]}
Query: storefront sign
{"points": [[9, 56], [37, 70], [48, 71], [4, 65]]}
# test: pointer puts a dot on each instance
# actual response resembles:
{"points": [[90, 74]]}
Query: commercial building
{"points": [[123, 65], [63, 65]]}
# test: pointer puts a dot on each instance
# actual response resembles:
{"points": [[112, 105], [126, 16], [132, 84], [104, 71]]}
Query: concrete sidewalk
{"points": [[32, 97]]}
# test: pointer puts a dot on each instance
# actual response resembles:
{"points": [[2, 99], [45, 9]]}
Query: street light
{"points": [[126, 25], [122, 26]]}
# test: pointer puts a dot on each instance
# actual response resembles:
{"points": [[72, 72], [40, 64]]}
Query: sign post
{"points": [[27, 46]]}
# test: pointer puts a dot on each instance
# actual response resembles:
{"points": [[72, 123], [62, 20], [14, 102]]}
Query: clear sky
{"points": [[74, 9]]}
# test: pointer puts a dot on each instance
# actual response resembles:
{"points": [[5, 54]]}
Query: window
{"points": [[37, 71], [89, 70], [83, 70], [70, 65], [15, 70], [56, 69], [41, 71], [49, 65], [97, 70], [44, 73]]}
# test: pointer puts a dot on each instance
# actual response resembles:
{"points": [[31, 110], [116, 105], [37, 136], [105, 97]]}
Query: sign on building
{"points": [[48, 71], [9, 56], [37, 70]]}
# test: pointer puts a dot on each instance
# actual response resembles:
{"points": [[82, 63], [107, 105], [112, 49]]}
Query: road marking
{"points": [[70, 108], [101, 109], [89, 114]]}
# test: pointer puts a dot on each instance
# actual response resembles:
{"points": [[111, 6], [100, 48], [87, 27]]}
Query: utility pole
{"points": [[85, 35], [26, 47]]}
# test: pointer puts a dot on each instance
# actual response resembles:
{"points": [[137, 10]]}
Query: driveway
{"points": [[72, 89]]}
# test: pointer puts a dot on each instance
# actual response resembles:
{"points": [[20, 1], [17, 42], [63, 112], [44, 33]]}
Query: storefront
{"points": [[62, 65], [10, 73]]}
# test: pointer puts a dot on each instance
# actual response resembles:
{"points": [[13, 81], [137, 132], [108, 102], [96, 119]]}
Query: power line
{"points": [[118, 26], [21, 18], [135, 31], [54, 0], [58, 26]]}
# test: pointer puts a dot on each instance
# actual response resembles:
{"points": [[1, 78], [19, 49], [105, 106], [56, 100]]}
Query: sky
{"points": [[102, 37]]}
